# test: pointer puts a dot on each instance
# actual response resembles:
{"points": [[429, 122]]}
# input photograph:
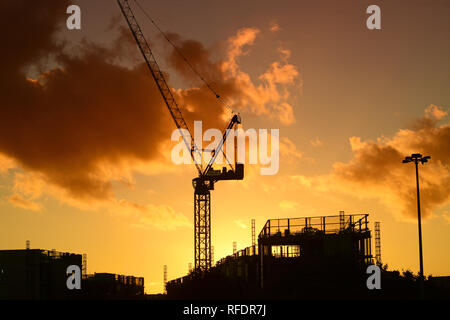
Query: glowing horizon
{"points": [[85, 149]]}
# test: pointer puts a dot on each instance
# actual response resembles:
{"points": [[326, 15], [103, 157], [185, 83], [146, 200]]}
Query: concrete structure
{"points": [[297, 257], [35, 274], [112, 286]]}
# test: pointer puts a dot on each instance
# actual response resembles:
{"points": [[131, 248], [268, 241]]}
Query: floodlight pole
{"points": [[421, 280], [416, 158]]}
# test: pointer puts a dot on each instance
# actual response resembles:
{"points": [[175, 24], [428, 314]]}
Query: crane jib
{"points": [[233, 121], [161, 83], [166, 93]]}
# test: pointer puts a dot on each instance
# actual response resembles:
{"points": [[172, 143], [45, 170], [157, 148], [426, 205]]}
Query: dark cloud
{"points": [[202, 97], [91, 107], [87, 112]]}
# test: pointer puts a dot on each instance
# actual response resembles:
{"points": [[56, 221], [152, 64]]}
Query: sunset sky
{"points": [[85, 137]]}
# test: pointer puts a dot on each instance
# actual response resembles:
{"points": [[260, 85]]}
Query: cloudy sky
{"points": [[85, 137]]}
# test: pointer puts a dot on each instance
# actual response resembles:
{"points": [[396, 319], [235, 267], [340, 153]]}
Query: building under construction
{"points": [[36, 274], [297, 257], [112, 286]]}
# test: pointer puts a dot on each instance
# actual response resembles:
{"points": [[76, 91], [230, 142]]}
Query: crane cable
{"points": [[216, 94]]}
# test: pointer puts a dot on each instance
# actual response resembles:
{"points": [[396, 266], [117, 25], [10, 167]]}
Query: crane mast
{"points": [[207, 177]]}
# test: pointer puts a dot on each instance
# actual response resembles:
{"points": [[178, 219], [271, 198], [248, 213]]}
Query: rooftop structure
{"points": [[35, 273], [112, 286], [293, 257], [344, 236]]}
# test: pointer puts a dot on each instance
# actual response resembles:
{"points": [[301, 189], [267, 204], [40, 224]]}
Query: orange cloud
{"points": [[271, 95], [433, 111], [144, 216], [287, 205], [6, 163], [288, 150], [274, 27], [377, 171], [30, 189], [18, 201], [316, 142], [26, 191], [446, 217], [77, 128]]}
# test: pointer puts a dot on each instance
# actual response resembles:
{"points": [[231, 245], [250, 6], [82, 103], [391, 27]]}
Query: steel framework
{"points": [[253, 233], [202, 229], [342, 219], [84, 265], [165, 278], [377, 243]]}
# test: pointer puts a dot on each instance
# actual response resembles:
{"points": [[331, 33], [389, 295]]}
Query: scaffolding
{"points": [[253, 233], [342, 219], [290, 249], [344, 235], [202, 229], [165, 279], [377, 244], [84, 265]]}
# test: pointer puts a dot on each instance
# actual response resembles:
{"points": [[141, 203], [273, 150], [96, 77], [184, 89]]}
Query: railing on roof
{"points": [[326, 225], [118, 278], [56, 254], [246, 252]]}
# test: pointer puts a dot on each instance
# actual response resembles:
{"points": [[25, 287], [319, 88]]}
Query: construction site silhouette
{"points": [[304, 258], [297, 258]]}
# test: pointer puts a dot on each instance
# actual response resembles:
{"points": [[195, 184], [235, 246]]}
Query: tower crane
{"points": [[207, 176]]}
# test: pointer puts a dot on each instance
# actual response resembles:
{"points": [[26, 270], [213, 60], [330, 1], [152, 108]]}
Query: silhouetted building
{"points": [[440, 282], [35, 274], [299, 257], [112, 286]]}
